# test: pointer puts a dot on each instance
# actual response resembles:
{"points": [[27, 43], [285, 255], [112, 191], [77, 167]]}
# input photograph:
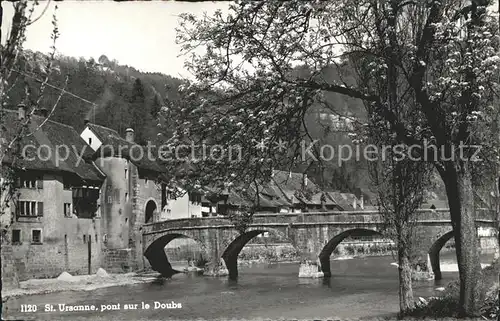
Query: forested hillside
{"points": [[123, 96]]}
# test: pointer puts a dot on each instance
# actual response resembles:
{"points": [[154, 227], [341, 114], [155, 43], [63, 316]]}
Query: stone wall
{"points": [[118, 260], [64, 245], [10, 277]]}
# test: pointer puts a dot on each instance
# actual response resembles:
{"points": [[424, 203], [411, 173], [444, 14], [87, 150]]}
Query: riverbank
{"points": [[67, 282], [270, 291], [446, 304]]}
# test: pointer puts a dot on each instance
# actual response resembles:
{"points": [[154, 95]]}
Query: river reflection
{"points": [[360, 287]]}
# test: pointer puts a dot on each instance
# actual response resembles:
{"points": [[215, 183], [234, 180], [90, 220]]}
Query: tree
{"points": [[139, 111], [401, 185], [447, 66], [18, 65]]}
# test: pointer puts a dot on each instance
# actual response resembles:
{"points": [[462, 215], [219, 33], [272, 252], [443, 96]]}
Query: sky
{"points": [[138, 34]]}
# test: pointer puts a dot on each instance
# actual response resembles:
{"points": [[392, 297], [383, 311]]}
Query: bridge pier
{"points": [[435, 265], [310, 266], [216, 267], [325, 266], [310, 269]]}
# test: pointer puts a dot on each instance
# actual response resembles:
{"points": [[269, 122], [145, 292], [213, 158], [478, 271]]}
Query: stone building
{"points": [[133, 193], [52, 221], [287, 192]]}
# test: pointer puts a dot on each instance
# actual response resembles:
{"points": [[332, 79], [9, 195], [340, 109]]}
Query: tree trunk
{"points": [[406, 302], [461, 202]]}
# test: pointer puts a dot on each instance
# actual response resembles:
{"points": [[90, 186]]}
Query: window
{"points": [[195, 198], [66, 184], [30, 182], [36, 236], [126, 197], [84, 238], [16, 236], [29, 208], [67, 209], [90, 141], [126, 173]]}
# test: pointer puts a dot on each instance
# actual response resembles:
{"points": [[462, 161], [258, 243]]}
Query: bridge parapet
{"points": [[309, 218]]}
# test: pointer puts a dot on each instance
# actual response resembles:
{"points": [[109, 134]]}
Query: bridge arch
{"points": [[326, 252], [155, 252], [230, 255], [434, 251]]}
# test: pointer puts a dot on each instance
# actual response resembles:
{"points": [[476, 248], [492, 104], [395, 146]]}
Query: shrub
{"points": [[200, 262], [437, 308], [350, 250]]}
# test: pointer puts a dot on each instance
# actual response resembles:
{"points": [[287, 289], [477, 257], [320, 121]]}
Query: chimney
{"points": [[21, 111], [86, 121], [362, 202], [43, 112], [290, 174], [304, 178], [129, 135], [354, 202]]}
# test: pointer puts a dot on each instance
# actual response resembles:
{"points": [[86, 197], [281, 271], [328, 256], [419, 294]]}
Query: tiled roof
{"points": [[292, 186], [340, 200], [113, 143], [54, 135]]}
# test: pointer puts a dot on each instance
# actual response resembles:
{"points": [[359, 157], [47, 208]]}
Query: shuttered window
{"points": [[29, 181], [40, 208], [36, 236], [29, 208]]}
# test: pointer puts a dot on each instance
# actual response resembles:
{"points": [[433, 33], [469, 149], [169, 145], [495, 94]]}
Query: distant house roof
{"points": [[341, 199], [296, 187], [286, 189], [54, 135], [114, 145]]}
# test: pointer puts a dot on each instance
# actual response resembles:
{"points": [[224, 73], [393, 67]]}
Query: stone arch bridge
{"points": [[314, 235]]}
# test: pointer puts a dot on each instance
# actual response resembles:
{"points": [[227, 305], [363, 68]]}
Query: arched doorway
{"points": [[150, 210]]}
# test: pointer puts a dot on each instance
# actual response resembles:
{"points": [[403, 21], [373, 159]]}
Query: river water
{"points": [[359, 287]]}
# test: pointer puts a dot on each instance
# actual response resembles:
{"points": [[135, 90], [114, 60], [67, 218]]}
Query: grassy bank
{"points": [[446, 305]]}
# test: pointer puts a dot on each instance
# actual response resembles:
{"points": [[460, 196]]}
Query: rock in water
{"points": [[102, 273], [65, 276]]}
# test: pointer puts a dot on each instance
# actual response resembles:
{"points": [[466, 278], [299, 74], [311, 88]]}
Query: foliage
{"points": [[241, 218], [14, 70], [440, 56], [201, 261]]}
